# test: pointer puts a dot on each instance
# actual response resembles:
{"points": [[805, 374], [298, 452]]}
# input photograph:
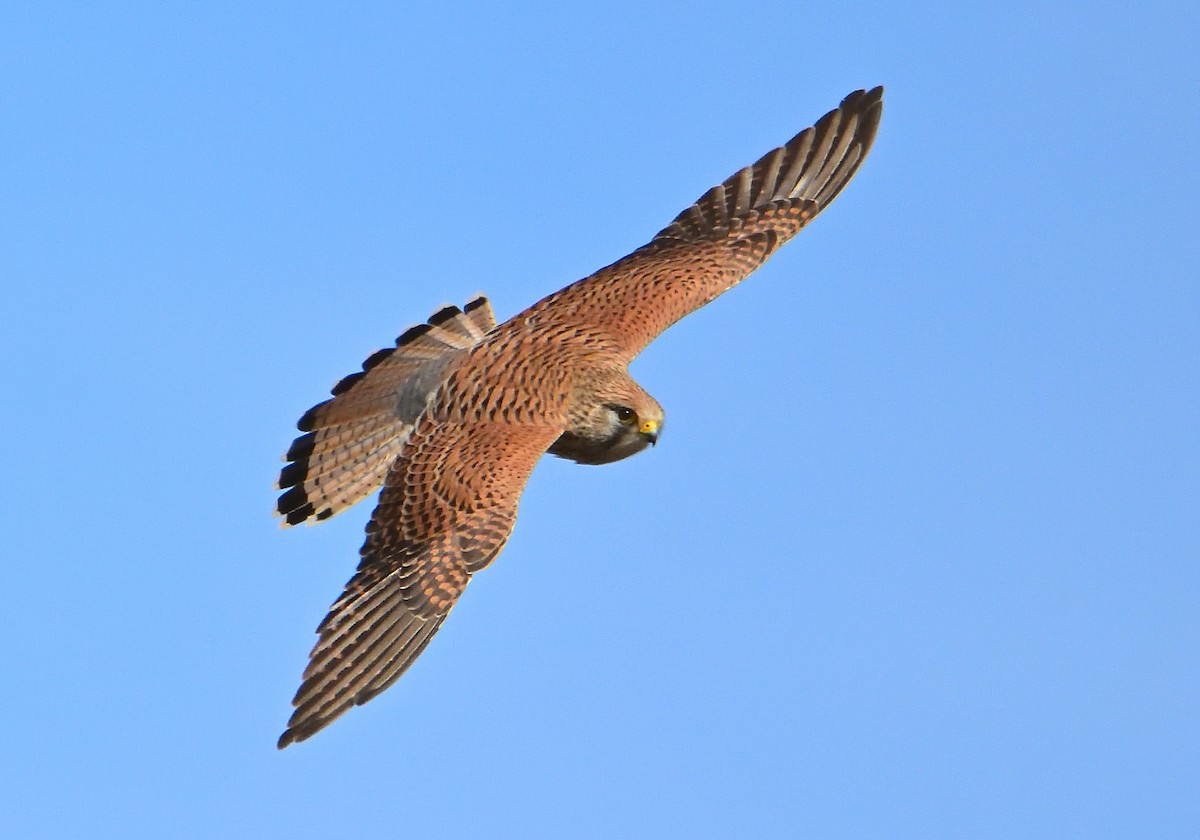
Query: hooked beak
{"points": [[649, 430]]}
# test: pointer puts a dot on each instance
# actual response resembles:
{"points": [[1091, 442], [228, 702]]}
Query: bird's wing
{"points": [[726, 234], [352, 439], [446, 509]]}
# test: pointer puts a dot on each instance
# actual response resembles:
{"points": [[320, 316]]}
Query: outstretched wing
{"points": [[446, 509], [726, 234]]}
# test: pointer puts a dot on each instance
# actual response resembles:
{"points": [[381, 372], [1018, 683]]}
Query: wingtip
{"points": [[863, 100], [301, 730], [868, 94]]}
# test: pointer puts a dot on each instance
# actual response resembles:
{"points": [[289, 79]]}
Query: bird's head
{"points": [[611, 419]]}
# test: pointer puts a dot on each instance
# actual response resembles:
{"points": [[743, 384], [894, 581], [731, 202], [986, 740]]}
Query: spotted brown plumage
{"points": [[452, 420]]}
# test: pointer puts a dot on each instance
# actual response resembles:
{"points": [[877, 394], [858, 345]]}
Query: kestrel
{"points": [[451, 420]]}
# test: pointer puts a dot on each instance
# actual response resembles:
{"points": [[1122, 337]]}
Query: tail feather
{"points": [[471, 322], [352, 439], [479, 313]]}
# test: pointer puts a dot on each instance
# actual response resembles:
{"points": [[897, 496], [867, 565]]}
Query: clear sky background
{"points": [[918, 555]]}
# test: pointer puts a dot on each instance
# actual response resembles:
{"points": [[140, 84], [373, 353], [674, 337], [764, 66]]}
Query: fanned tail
{"points": [[352, 439]]}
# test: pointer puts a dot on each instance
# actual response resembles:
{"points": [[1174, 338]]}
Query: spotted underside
{"points": [[453, 418]]}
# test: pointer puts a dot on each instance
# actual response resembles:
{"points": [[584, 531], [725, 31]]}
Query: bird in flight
{"points": [[451, 420]]}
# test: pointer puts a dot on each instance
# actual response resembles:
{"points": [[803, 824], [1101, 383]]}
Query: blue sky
{"points": [[918, 555]]}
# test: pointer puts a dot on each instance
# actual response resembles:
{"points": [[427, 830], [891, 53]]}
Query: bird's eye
{"points": [[626, 416]]}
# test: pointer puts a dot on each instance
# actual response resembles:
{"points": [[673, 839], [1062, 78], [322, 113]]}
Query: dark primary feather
{"points": [[813, 166]]}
